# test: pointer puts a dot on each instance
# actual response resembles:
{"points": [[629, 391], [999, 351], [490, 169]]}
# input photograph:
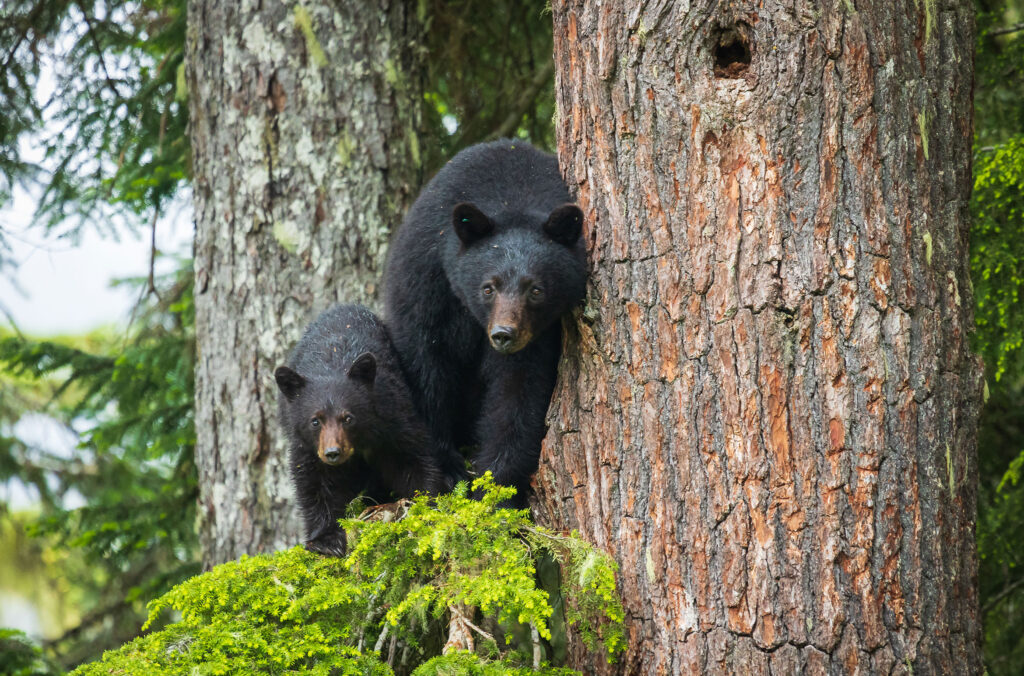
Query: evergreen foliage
{"points": [[491, 73], [133, 465], [997, 255], [20, 657], [381, 608], [92, 91], [112, 132], [997, 270], [466, 664], [997, 203]]}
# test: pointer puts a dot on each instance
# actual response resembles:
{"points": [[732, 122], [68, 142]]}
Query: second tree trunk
{"points": [[767, 412], [304, 121]]}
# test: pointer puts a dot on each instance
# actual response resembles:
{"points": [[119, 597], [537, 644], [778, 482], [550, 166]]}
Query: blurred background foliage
{"points": [[997, 271], [94, 126]]}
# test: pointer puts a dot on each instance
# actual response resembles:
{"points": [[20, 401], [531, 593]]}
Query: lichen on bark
{"points": [[303, 155]]}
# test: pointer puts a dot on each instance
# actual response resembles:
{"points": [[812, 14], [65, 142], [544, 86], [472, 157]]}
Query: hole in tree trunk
{"points": [[732, 53]]}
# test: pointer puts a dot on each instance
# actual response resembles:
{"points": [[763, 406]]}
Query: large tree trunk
{"points": [[304, 120], [767, 411]]}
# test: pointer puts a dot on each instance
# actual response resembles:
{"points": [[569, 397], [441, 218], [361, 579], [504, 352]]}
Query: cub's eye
{"points": [[536, 292], [346, 419], [488, 289], [314, 423]]}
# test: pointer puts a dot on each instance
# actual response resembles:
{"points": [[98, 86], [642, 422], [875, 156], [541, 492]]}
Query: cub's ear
{"points": [[289, 382], [470, 223], [364, 368], [565, 224]]}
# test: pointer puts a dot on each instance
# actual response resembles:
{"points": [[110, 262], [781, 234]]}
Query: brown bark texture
{"points": [[304, 119], [767, 409]]}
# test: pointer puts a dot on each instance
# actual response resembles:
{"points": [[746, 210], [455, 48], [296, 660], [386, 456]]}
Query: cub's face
{"points": [[518, 281], [332, 414]]}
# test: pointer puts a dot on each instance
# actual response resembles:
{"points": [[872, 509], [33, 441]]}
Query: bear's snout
{"points": [[508, 339], [334, 447], [503, 337], [335, 455], [508, 329]]}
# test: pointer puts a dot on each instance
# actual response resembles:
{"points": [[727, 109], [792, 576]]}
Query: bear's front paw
{"points": [[328, 544]]}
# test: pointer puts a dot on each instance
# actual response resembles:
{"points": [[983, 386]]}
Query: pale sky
{"points": [[65, 287]]}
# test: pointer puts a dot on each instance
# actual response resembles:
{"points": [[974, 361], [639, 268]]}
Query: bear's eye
{"points": [[536, 292], [314, 423], [488, 289], [346, 419]]}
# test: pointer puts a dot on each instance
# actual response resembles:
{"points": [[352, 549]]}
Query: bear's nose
{"points": [[332, 454], [502, 337]]}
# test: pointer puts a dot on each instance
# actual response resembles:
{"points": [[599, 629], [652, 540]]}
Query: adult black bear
{"points": [[488, 260], [352, 424]]}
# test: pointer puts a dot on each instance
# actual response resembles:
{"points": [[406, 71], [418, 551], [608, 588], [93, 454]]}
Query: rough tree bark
{"points": [[304, 120], [767, 411]]}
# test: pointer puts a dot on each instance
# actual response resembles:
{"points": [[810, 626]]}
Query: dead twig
{"points": [[460, 635], [1008, 29]]}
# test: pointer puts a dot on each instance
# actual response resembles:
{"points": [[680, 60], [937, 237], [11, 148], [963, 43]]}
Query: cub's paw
{"points": [[328, 544]]}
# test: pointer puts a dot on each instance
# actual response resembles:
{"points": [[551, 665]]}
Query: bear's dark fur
{"points": [[351, 422], [488, 260]]}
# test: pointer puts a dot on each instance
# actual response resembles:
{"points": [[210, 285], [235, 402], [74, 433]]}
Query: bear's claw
{"points": [[330, 544]]}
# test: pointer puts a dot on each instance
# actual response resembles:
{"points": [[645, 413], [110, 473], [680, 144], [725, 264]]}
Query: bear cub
{"points": [[351, 423], [485, 265]]}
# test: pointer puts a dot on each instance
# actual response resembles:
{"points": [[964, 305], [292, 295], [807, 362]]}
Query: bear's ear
{"points": [[565, 224], [470, 223], [364, 368], [288, 381]]}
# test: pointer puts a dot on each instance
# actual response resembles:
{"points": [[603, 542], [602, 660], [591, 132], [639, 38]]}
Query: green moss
{"points": [[180, 84], [641, 33], [270, 143], [391, 75], [922, 125], [304, 22], [414, 148], [949, 471], [345, 148], [286, 236], [929, 19]]}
